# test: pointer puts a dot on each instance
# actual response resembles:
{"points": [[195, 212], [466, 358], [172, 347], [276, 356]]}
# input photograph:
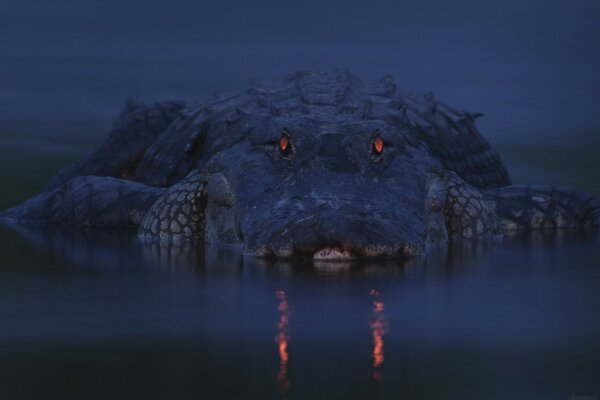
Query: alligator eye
{"points": [[284, 142], [378, 145]]}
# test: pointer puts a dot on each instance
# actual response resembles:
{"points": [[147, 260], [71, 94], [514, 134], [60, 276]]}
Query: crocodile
{"points": [[313, 165]]}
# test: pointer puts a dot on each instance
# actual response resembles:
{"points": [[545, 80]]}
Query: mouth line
{"points": [[325, 254]]}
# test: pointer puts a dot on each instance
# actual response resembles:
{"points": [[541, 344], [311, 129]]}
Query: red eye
{"points": [[378, 145], [284, 142]]}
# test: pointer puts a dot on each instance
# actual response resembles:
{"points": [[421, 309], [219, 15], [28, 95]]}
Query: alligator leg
{"points": [[88, 201], [178, 214], [544, 207], [467, 213], [134, 131]]}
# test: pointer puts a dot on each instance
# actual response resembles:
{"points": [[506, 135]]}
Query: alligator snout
{"points": [[333, 232]]}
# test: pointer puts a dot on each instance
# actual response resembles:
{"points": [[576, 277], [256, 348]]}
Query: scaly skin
{"points": [[214, 172]]}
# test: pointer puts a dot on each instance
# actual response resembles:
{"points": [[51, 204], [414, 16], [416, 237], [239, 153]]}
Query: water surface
{"points": [[98, 315]]}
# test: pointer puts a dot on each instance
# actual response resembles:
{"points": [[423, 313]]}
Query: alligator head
{"points": [[290, 188]]}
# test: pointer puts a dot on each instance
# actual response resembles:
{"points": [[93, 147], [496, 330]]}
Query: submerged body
{"points": [[314, 165]]}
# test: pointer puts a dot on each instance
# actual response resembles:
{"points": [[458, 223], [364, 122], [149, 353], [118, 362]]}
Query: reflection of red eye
{"points": [[378, 145], [284, 142]]}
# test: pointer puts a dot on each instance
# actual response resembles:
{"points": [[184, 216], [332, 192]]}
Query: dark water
{"points": [[98, 315]]}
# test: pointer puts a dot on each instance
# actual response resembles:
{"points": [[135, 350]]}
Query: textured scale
{"points": [[447, 133], [119, 156]]}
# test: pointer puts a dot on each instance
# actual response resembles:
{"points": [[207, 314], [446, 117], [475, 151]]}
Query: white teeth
{"points": [[330, 253]]}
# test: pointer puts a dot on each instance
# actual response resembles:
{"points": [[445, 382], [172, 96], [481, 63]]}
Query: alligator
{"points": [[314, 165]]}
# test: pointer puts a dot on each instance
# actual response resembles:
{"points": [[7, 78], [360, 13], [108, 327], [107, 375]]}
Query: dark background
{"points": [[531, 67]]}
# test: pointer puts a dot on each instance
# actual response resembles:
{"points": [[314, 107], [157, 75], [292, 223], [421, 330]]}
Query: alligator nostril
{"points": [[330, 253]]}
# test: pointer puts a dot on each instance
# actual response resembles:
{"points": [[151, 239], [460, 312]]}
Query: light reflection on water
{"points": [[282, 339], [378, 327]]}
